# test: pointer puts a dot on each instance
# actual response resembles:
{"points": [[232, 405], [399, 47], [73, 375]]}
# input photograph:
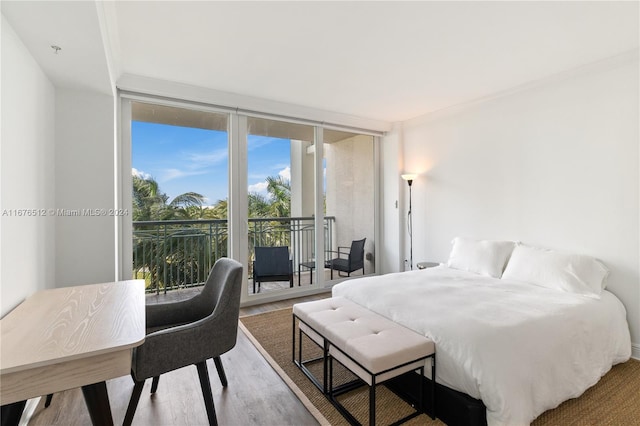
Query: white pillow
{"points": [[482, 257], [562, 271]]}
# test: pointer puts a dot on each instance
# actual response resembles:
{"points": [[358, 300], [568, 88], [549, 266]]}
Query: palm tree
{"points": [[188, 206], [172, 254], [147, 199], [176, 253], [279, 190], [258, 205], [218, 211], [149, 203], [277, 205]]}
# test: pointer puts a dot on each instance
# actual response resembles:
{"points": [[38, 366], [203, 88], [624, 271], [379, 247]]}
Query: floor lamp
{"points": [[409, 177]]}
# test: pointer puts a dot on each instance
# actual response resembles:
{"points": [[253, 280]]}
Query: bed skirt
{"points": [[453, 408]]}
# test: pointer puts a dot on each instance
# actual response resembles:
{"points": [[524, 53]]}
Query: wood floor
{"points": [[255, 396]]}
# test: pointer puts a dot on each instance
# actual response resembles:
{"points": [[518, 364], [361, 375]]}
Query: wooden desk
{"points": [[70, 337]]}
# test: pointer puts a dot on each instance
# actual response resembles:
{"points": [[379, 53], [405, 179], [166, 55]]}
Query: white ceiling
{"points": [[388, 61]]}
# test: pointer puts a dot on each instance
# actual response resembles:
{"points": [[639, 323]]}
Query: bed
{"points": [[519, 347]]}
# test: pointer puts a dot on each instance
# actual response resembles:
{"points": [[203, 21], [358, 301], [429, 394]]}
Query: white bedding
{"points": [[521, 348]]}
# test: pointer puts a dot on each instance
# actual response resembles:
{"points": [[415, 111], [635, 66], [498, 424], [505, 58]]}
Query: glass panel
{"points": [[180, 165], [280, 180], [350, 199]]}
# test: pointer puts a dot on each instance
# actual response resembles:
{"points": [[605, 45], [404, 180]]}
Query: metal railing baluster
{"points": [[168, 254]]}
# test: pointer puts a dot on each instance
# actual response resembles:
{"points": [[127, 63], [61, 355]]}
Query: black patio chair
{"points": [[354, 259], [272, 264]]}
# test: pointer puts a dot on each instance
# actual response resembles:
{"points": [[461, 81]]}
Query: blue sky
{"points": [[185, 159]]}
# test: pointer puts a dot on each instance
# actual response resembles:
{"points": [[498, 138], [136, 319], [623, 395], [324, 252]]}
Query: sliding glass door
{"points": [[180, 168], [289, 187], [287, 199], [281, 232]]}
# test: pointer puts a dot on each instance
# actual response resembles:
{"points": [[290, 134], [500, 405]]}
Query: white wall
{"points": [[393, 232], [85, 245], [28, 174], [554, 164], [57, 153]]}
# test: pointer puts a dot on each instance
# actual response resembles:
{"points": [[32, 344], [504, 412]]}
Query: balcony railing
{"points": [[180, 253]]}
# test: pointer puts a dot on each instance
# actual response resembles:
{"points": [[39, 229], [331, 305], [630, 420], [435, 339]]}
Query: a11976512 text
{"points": [[99, 212]]}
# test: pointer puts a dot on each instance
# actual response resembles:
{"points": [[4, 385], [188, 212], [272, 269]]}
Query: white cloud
{"points": [[285, 173], [260, 188], [140, 173]]}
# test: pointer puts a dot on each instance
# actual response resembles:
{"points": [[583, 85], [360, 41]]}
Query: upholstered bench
{"points": [[371, 346]]}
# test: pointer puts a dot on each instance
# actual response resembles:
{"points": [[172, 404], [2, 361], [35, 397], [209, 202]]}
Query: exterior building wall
{"points": [[350, 193]]}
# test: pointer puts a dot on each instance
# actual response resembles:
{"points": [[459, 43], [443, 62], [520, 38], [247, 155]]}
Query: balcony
{"points": [[178, 254]]}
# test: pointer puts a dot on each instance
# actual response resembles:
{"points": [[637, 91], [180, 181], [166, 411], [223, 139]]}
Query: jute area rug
{"points": [[614, 400]]}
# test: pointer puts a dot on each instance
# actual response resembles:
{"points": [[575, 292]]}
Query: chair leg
{"points": [[47, 402], [223, 377], [205, 384], [154, 384], [133, 403]]}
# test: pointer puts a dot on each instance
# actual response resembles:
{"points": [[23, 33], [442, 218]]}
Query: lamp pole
{"points": [[410, 181], [409, 178]]}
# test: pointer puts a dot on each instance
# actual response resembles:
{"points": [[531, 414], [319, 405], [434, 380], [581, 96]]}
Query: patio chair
{"points": [[190, 332], [354, 259], [272, 264]]}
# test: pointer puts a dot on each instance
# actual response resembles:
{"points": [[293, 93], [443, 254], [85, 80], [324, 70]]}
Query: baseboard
{"points": [[276, 296], [29, 409], [635, 351]]}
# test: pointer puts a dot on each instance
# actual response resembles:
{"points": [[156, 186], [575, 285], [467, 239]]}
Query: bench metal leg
{"points": [[325, 360], [334, 392], [293, 338], [302, 364], [372, 402]]}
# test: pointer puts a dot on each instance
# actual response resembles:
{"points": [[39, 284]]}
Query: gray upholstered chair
{"points": [[190, 332]]}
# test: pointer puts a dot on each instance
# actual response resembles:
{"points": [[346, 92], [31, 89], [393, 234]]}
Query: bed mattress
{"points": [[520, 348]]}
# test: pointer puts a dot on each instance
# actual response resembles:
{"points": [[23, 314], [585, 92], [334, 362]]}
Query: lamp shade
{"points": [[409, 176]]}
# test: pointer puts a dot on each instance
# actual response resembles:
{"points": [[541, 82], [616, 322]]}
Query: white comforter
{"points": [[521, 348]]}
